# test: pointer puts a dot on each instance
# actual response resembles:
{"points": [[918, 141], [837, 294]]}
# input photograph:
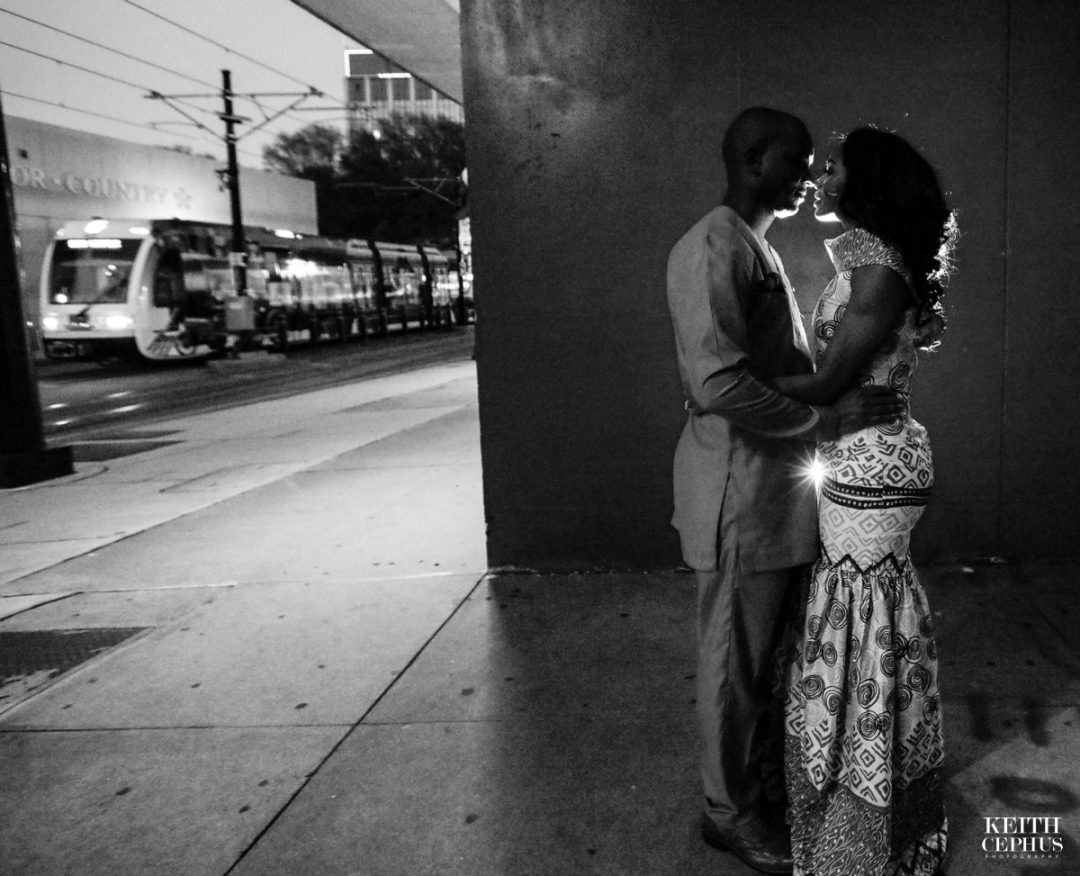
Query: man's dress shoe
{"points": [[766, 850]]}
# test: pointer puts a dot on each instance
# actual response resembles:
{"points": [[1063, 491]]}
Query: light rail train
{"points": [[167, 289]]}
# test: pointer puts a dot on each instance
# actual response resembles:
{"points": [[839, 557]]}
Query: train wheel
{"points": [[171, 345], [184, 346]]}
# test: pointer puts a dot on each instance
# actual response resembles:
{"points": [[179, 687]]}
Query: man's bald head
{"points": [[753, 131]]}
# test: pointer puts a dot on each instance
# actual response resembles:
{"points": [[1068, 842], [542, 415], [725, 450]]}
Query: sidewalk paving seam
{"points": [[168, 728], [310, 467], [269, 825]]}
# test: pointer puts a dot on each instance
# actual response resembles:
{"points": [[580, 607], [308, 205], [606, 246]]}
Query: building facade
{"points": [[376, 89], [59, 175]]}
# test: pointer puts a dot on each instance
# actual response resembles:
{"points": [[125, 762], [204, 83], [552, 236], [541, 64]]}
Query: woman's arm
{"points": [[879, 298]]}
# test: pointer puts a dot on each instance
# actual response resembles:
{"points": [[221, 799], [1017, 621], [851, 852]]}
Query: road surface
{"points": [[84, 400]]}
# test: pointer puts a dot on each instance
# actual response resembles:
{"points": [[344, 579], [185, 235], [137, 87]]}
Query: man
{"points": [[746, 515]]}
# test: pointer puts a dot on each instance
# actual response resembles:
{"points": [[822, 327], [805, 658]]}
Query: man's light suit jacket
{"points": [[740, 465]]}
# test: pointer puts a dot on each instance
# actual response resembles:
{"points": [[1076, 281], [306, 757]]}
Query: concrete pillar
{"points": [[24, 459], [593, 136]]}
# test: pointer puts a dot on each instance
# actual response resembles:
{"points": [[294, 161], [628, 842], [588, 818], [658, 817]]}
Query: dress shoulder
{"points": [[858, 247]]}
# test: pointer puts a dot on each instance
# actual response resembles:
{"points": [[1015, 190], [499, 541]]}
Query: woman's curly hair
{"points": [[893, 192]]}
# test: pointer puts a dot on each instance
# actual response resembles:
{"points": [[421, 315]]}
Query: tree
{"points": [[311, 153], [315, 149], [401, 184], [404, 182]]}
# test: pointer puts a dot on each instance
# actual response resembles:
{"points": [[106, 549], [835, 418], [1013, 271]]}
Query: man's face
{"points": [[786, 178]]}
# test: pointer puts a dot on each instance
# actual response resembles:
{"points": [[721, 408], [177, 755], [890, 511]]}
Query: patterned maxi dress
{"points": [[863, 750]]}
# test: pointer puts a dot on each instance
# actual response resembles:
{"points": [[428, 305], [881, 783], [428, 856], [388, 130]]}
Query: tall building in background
{"points": [[375, 88]]}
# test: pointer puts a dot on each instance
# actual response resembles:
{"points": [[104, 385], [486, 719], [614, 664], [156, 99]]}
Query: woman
{"points": [[864, 745]]}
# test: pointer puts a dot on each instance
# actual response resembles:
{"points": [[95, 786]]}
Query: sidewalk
{"points": [[281, 655]]}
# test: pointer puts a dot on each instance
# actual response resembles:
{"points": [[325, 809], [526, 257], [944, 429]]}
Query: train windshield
{"points": [[93, 271]]}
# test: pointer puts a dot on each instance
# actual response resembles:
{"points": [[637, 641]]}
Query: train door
{"points": [[402, 271], [362, 271], [184, 315]]}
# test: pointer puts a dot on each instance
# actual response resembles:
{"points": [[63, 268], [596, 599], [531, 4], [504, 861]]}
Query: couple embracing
{"points": [[816, 653]]}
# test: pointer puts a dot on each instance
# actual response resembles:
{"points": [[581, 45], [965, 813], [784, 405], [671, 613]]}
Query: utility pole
{"points": [[231, 175], [238, 255], [24, 459]]}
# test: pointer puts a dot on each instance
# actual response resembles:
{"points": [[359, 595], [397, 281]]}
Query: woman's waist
{"points": [[892, 454], [902, 430]]}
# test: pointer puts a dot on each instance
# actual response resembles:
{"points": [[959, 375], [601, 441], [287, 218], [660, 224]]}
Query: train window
{"points": [[256, 282], [85, 273], [205, 278], [195, 277], [363, 280], [219, 279], [338, 287]]}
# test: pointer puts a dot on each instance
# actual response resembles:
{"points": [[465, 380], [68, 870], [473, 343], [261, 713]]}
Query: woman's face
{"points": [[830, 186]]}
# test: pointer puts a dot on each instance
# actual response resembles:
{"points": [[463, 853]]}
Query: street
{"points": [[86, 401]]}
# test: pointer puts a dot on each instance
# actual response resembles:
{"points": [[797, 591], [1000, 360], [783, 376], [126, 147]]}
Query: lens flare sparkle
{"points": [[815, 472]]}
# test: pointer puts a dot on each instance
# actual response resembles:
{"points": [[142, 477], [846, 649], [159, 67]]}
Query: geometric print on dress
{"points": [[878, 721], [900, 462], [839, 835], [866, 526]]}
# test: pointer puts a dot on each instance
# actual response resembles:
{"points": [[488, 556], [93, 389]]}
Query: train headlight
{"points": [[50, 323], [118, 322]]}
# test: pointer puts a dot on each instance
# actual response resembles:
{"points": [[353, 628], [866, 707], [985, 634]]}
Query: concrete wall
{"points": [[593, 134]]}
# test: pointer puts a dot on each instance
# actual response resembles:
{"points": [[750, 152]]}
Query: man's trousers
{"points": [[741, 619]]}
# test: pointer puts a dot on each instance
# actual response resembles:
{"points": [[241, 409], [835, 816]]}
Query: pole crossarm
{"points": [[412, 185], [167, 100], [312, 92], [434, 192], [299, 100], [301, 96]]}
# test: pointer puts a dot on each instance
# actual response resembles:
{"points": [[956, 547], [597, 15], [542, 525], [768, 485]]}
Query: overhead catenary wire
{"points": [[120, 81], [251, 97], [109, 118], [269, 114], [226, 48], [107, 76], [75, 109], [98, 45], [73, 66]]}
